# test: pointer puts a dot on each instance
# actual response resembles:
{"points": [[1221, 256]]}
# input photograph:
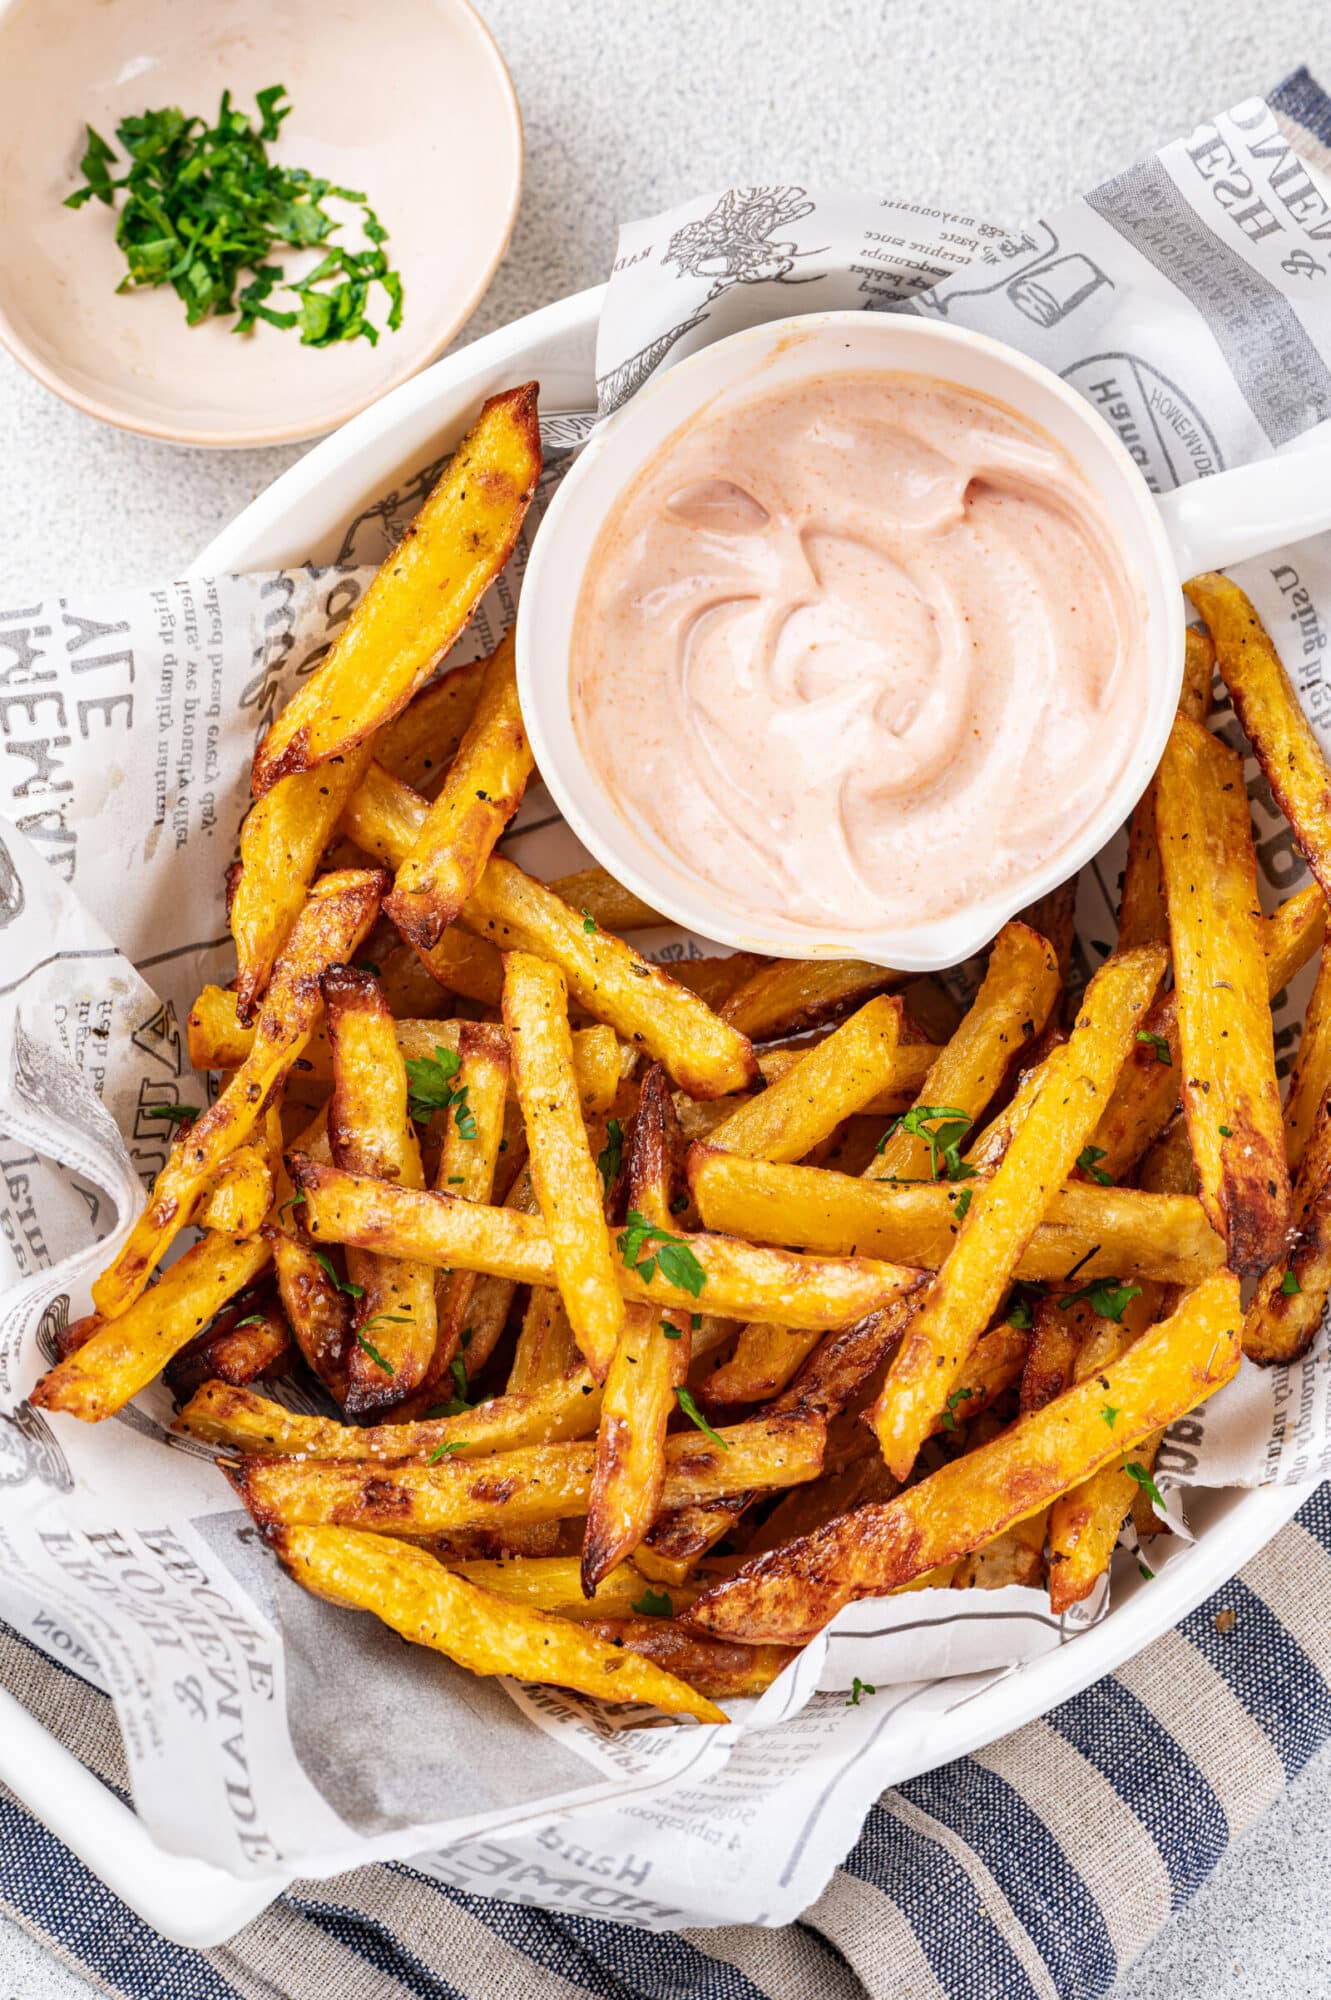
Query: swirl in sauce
{"points": [[859, 650]]}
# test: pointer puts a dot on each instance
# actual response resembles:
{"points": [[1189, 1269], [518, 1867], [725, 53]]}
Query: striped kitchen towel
{"points": [[1038, 1867]]}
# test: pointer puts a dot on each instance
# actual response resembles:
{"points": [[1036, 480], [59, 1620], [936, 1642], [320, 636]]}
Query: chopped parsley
{"points": [[253, 1319], [642, 1246], [610, 1159], [1145, 1481], [325, 1263], [1021, 1308], [297, 1200], [175, 1114], [950, 1126], [589, 923], [1107, 1296], [443, 1450], [1086, 1160], [670, 1332], [1225, 1132], [857, 1688], [695, 1416], [368, 1347], [204, 205], [963, 1202], [1289, 1285], [1110, 1415], [1159, 1044], [954, 1402], [430, 1088], [654, 1604]]}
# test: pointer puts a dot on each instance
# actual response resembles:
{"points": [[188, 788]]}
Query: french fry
{"points": [[1310, 1077], [629, 1473], [1104, 1230], [394, 1320], [530, 1483], [562, 1169], [1005, 1211], [740, 1280], [708, 1666], [797, 993], [594, 893], [1169, 1167], [1227, 1074], [239, 1347], [704, 1055], [238, 1195], [1147, 1093], [1084, 1522], [986, 1151], [1015, 1556], [656, 1154], [789, 1594], [1020, 987], [318, 1310], [281, 842], [1271, 714], [336, 917], [554, 1583], [1053, 917], [125, 1353], [910, 1066], [418, 746], [1142, 918], [417, 1597], [421, 598], [241, 1421], [1286, 1311], [481, 793], [766, 1358], [837, 1078], [467, 1161], [545, 1347], [1056, 1341], [712, 979]]}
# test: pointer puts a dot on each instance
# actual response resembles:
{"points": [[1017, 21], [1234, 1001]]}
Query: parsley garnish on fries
{"points": [[610, 1159], [430, 1088], [695, 1416], [950, 1126], [643, 1245]]}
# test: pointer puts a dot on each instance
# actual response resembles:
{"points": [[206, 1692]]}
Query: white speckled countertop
{"points": [[986, 105]]}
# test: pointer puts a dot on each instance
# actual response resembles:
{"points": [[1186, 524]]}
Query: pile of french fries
{"points": [[664, 1314]]}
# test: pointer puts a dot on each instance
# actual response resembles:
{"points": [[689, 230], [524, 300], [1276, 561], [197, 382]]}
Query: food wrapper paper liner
{"points": [[1190, 300]]}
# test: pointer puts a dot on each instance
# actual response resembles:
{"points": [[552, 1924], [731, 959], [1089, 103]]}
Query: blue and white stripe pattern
{"points": [[1036, 1869]]}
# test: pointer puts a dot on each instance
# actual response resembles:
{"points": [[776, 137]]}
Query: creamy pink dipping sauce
{"points": [[859, 650]]}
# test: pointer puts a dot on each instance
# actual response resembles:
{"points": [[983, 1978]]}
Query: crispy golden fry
{"points": [[125, 1353], [340, 910], [1005, 1211], [785, 1597], [1169, 1167], [1228, 1065], [554, 1583], [422, 597], [1015, 1556], [281, 843], [467, 1161], [1103, 1230], [740, 1280], [418, 746], [394, 1320], [836, 1078], [416, 1596], [629, 1473], [238, 1195], [562, 1169], [1286, 1310], [317, 1309], [709, 1666], [594, 893], [249, 1423], [1142, 918], [1056, 1341], [240, 1346], [910, 1066], [766, 1357], [712, 979], [545, 1347], [1017, 997], [1310, 1077], [807, 1508], [1147, 1093], [986, 1151], [1272, 715], [1084, 1522], [530, 1483], [704, 1055], [798, 993], [480, 795], [655, 1164]]}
